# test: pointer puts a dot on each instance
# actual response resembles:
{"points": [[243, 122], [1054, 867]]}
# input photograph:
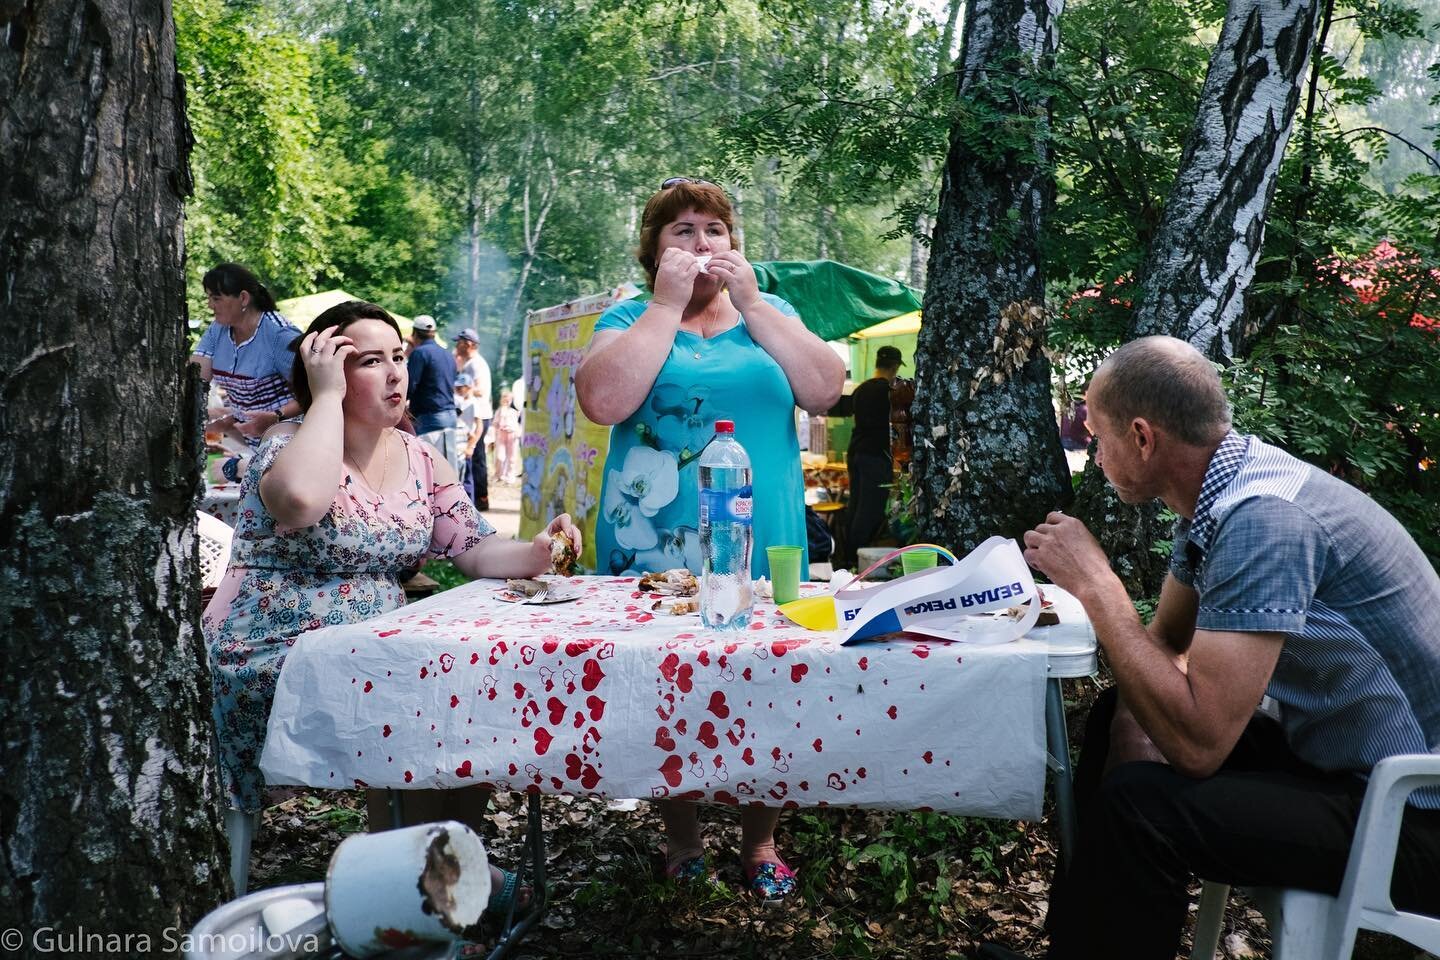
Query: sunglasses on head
{"points": [[676, 181]]}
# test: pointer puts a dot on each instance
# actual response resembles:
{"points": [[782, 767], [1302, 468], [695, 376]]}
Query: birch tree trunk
{"points": [[1195, 274], [533, 227], [987, 456], [1193, 281], [108, 807]]}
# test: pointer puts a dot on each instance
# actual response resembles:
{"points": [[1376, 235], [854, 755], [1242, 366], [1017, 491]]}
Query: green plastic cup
{"points": [[913, 561], [784, 573]]}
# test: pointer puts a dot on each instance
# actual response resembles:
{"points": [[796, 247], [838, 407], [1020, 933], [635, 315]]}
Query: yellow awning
{"points": [[301, 310], [894, 327]]}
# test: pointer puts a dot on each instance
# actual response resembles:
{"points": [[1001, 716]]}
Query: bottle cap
{"points": [[724, 426]]}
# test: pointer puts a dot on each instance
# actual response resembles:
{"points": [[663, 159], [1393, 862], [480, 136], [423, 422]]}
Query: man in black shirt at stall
{"points": [[868, 458]]}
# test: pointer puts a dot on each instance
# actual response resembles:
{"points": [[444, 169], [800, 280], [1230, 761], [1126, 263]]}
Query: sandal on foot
{"points": [[689, 870], [506, 896], [772, 881]]}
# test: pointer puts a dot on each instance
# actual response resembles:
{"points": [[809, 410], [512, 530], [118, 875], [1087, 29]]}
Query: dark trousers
{"points": [[870, 479], [477, 480], [1264, 819]]}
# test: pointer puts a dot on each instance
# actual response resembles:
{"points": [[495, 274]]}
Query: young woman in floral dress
{"points": [[332, 511]]}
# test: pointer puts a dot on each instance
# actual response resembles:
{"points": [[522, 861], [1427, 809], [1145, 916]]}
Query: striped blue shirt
{"points": [[255, 375], [1277, 545]]}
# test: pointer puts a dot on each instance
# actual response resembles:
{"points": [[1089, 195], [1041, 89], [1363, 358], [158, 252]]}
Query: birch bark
{"points": [[1193, 281]]}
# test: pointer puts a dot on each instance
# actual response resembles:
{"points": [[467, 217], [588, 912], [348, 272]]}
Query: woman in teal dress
{"points": [[707, 346]]}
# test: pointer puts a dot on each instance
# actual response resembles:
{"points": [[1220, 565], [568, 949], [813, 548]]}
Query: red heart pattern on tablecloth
{"points": [[714, 731]]}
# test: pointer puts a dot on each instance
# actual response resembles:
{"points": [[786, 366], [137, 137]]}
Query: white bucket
{"points": [[279, 922], [417, 885]]}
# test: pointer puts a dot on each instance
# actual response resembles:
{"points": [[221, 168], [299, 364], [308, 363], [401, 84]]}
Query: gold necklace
{"points": [[384, 471]]}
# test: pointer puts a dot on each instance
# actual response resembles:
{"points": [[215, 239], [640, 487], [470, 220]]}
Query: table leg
{"points": [[1058, 747], [539, 893]]}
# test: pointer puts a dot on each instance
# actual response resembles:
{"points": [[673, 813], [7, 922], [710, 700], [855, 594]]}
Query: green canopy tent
{"points": [[834, 300]]}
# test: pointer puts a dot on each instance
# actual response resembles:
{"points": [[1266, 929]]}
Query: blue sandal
{"points": [[506, 898]]}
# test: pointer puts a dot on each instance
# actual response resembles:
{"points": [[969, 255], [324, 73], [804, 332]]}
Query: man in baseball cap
{"points": [[868, 458], [432, 390], [469, 362]]}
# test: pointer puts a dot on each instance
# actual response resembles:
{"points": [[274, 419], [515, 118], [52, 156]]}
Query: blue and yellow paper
{"points": [[941, 602]]}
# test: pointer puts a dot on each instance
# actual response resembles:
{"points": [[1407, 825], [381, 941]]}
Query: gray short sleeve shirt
{"points": [[1277, 545]]}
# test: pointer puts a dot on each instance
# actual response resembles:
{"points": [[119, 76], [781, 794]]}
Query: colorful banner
{"points": [[563, 453]]}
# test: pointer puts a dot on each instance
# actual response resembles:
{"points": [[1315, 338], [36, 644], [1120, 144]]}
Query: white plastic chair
{"points": [[1313, 926], [214, 536]]}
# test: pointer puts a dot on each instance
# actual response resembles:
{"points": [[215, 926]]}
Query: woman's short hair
{"points": [[668, 203], [1169, 383], [339, 316], [229, 279]]}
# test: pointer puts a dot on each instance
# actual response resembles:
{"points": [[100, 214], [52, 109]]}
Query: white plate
{"points": [[559, 593]]}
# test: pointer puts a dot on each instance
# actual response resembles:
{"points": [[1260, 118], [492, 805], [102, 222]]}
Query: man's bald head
{"points": [[1167, 382]]}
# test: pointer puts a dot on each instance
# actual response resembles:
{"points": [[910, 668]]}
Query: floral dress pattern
{"points": [[650, 503], [283, 581]]}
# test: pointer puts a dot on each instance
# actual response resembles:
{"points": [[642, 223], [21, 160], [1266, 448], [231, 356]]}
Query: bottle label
{"points": [[727, 506]]}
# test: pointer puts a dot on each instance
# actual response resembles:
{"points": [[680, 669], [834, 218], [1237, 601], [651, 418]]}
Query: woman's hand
{"points": [[732, 269], [324, 355], [256, 422], [675, 278], [561, 524]]}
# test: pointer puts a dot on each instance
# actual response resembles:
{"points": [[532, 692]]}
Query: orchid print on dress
{"points": [[684, 420], [645, 483]]}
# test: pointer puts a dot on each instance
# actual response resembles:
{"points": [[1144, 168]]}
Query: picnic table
{"points": [[606, 696], [221, 501]]}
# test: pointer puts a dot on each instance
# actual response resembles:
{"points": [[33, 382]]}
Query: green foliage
{"points": [[262, 196], [913, 861]]}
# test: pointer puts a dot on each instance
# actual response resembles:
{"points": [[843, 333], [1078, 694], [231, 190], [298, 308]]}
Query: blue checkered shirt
{"points": [[1277, 545]]}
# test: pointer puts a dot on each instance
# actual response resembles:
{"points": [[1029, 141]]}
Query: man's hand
{"points": [[1063, 549]]}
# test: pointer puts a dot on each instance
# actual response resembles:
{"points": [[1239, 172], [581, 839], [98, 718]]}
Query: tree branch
{"points": [[1391, 133]]}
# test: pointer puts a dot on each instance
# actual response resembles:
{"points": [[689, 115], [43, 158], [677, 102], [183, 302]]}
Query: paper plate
{"points": [[559, 593]]}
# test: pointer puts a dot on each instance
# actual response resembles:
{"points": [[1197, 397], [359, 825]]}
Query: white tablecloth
{"points": [[603, 697], [221, 501]]}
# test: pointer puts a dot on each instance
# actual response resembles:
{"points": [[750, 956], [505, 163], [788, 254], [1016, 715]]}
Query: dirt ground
{"points": [[873, 884]]}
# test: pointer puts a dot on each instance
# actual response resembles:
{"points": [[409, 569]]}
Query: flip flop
{"points": [[507, 896], [771, 881]]}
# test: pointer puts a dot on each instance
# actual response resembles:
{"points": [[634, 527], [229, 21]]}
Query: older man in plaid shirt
{"points": [[1284, 581]]}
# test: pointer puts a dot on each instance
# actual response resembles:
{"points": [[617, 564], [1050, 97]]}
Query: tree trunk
{"points": [[1196, 272], [920, 249], [771, 194], [1193, 282], [987, 456], [533, 229], [108, 803]]}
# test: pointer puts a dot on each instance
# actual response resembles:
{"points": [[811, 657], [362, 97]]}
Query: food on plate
{"points": [[677, 583], [1048, 616], [527, 588], [562, 554], [677, 606]]}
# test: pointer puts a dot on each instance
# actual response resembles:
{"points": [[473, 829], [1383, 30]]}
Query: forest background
{"points": [[475, 160]]}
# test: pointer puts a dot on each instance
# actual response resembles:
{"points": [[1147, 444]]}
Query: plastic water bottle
{"points": [[725, 531]]}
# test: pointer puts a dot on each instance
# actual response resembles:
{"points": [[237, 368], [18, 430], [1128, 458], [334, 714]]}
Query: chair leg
{"points": [[1210, 920], [1299, 922], [240, 830]]}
